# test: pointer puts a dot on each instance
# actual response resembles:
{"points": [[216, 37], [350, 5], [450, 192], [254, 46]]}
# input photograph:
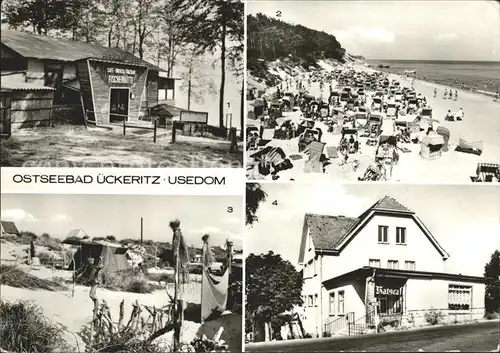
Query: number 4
{"points": [[275, 203]]}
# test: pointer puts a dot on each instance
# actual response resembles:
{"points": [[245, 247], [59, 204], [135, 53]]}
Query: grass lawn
{"points": [[79, 147]]}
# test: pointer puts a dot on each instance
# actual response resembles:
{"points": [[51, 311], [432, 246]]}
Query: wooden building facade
{"points": [[46, 79]]}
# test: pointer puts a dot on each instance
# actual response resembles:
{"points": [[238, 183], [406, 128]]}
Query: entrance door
{"points": [[118, 104]]}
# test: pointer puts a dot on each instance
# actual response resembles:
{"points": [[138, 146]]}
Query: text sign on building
{"points": [[119, 75], [380, 290], [188, 116]]}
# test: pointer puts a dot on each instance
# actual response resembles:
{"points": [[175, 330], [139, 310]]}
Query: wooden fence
{"points": [[127, 125]]}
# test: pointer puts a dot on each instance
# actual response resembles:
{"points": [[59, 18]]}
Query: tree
{"points": [[492, 291], [273, 287], [254, 196], [195, 81], [213, 25], [40, 15]]}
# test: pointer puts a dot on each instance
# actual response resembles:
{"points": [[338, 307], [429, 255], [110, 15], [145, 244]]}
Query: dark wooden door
{"points": [[5, 122], [118, 105]]}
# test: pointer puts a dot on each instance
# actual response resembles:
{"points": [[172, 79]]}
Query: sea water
{"points": [[480, 75]]}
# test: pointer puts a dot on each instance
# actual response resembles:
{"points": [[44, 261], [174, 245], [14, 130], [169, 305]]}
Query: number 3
{"points": [[229, 210]]}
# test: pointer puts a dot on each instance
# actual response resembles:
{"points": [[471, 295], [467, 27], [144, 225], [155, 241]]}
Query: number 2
{"points": [[278, 13]]}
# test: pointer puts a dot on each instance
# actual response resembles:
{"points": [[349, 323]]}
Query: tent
{"points": [[114, 257]]}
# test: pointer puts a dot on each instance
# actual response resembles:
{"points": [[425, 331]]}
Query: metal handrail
{"points": [[338, 323], [360, 325]]}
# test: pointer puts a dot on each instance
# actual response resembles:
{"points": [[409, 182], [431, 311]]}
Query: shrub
{"points": [[8, 149], [327, 334], [433, 316], [14, 277], [195, 269], [138, 285], [161, 277], [45, 258], [48, 242], [491, 316], [25, 329]]}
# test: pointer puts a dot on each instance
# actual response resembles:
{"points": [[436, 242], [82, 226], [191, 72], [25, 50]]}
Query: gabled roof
{"points": [[326, 231], [45, 47], [75, 233], [387, 204], [333, 233], [9, 228]]}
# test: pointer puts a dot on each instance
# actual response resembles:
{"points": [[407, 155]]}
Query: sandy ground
{"points": [[78, 147], [75, 312], [481, 122]]}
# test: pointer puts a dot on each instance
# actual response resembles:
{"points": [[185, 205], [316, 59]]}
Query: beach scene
{"points": [[360, 91]]}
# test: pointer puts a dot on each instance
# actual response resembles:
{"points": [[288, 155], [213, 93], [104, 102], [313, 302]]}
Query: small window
{"points": [[459, 297], [400, 235], [310, 301], [332, 303], [315, 300], [393, 264], [410, 265], [382, 234], [374, 263], [341, 302]]}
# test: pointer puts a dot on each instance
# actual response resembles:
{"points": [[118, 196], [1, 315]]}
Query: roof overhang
{"points": [[364, 272]]}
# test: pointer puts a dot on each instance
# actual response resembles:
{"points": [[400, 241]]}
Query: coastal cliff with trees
{"points": [[270, 39]]}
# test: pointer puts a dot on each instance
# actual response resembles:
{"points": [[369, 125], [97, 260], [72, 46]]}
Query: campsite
{"points": [[101, 294]]}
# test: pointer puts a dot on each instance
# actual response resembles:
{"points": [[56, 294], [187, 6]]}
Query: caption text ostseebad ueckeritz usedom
{"points": [[117, 179]]}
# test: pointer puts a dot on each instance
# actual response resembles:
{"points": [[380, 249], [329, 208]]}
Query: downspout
{"points": [[368, 280], [321, 292]]}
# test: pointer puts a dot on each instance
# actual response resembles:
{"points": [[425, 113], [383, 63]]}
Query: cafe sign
{"points": [[380, 290], [119, 75]]}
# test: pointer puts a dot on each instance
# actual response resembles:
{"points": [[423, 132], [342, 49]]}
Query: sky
{"points": [[466, 30], [464, 219], [120, 215]]}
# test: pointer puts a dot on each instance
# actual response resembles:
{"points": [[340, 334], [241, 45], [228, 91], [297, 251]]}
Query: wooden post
{"points": [[234, 143], [124, 126], [177, 328], [173, 131], [154, 130], [74, 274], [141, 230]]}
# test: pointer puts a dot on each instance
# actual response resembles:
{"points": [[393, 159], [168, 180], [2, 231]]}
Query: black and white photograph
{"points": [[121, 273], [372, 267], [122, 83], [400, 91]]}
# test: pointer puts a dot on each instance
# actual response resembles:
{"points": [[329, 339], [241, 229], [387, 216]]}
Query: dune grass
{"points": [[25, 329], [15, 277]]}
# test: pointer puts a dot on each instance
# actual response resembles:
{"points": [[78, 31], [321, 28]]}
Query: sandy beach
{"points": [[481, 123]]}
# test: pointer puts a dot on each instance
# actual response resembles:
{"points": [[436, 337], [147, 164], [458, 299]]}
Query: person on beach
{"points": [[459, 115], [456, 94], [435, 92], [445, 93]]}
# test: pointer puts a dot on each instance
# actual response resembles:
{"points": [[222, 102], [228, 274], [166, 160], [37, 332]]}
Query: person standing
{"points": [[435, 92]]}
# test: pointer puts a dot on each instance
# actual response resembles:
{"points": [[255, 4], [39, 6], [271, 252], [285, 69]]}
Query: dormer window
{"points": [[382, 234], [401, 235]]}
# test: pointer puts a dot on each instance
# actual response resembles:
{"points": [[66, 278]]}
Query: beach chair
{"points": [[487, 172]]}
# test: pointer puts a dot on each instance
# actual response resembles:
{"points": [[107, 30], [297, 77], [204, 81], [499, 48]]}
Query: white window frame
{"points": [[310, 301], [374, 260], [332, 304], [398, 235], [341, 302], [394, 262], [409, 264], [315, 300], [459, 294], [386, 233]]}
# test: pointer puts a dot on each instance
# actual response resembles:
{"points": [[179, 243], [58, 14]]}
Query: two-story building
{"points": [[86, 82], [384, 265]]}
